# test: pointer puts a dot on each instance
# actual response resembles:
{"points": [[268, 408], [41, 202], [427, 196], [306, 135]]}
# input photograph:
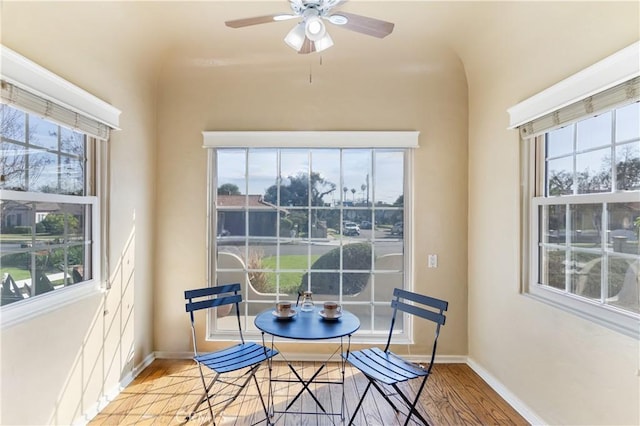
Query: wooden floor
{"points": [[165, 392]]}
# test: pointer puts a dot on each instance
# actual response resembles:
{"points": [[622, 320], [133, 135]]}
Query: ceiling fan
{"points": [[310, 34]]}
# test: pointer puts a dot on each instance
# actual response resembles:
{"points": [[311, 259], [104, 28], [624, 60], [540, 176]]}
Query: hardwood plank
{"points": [[167, 390]]}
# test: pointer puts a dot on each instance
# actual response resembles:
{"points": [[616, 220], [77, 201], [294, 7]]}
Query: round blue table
{"points": [[307, 325]]}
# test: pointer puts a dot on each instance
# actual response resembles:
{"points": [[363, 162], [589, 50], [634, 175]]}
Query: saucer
{"points": [[291, 314], [333, 318]]}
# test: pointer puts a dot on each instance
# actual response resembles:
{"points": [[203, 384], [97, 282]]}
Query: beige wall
{"points": [[60, 365], [195, 99], [565, 369]]}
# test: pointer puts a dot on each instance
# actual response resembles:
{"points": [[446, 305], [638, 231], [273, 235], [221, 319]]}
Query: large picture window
{"points": [[328, 220]]}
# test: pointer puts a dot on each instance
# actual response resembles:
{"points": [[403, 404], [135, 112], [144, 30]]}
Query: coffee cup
{"points": [[283, 309], [332, 309]]}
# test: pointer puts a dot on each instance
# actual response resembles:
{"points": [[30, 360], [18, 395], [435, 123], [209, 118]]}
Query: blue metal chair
{"points": [[385, 367], [244, 355]]}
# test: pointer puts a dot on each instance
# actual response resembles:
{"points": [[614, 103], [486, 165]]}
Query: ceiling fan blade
{"points": [[245, 22], [308, 46], [363, 24]]}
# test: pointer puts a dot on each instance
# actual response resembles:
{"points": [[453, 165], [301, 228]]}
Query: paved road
{"points": [[385, 244]]}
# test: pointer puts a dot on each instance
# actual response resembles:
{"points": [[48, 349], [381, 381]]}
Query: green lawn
{"points": [[289, 281], [16, 273]]}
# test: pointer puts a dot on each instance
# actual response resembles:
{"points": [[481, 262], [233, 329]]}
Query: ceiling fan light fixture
{"points": [[296, 36], [324, 43], [314, 28]]}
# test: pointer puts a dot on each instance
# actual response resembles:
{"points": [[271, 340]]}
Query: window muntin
{"points": [[47, 206], [586, 215], [279, 211]]}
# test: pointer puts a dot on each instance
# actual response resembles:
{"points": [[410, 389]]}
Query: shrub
{"points": [[17, 230], [355, 257], [258, 279]]}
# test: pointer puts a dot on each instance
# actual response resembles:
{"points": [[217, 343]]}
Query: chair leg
{"points": [[353, 416], [385, 396], [264, 407], [205, 396], [412, 406]]}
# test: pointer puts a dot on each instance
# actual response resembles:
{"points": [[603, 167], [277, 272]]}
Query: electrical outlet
{"points": [[432, 261]]}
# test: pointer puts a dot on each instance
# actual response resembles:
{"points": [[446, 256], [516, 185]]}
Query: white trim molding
{"points": [[303, 139], [506, 394], [27, 75], [611, 71]]}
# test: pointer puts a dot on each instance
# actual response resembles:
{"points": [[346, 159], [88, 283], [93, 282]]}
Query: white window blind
{"points": [[32, 88], [625, 93], [29, 102]]}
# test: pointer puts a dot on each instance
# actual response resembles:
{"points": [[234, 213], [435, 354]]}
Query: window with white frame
{"points": [[330, 220], [46, 207], [51, 185], [581, 176]]}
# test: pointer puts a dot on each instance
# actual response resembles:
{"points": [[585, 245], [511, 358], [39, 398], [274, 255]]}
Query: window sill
{"points": [[609, 317], [30, 308]]}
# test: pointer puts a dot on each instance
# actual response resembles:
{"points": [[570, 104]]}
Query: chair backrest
{"points": [[211, 297], [422, 306]]}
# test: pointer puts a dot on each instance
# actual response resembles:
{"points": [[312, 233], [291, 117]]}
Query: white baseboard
{"points": [[506, 394], [109, 396], [446, 359], [173, 355]]}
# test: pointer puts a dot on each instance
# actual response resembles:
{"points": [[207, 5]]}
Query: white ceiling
{"points": [[156, 34]]}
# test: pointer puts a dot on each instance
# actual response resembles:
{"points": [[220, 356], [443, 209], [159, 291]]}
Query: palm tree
{"points": [[363, 187], [345, 189], [353, 191]]}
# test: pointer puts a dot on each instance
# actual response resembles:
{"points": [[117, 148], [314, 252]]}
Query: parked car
{"points": [[350, 228], [398, 228], [365, 224]]}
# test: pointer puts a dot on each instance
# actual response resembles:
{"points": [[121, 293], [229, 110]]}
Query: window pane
{"points": [[263, 173], [325, 223], [43, 172], [356, 167], [586, 275], [72, 176], [350, 224], [12, 166], [552, 267], [554, 224], [559, 176], [231, 177], [624, 287], [623, 227], [12, 123], [560, 141], [384, 285], [263, 223], [387, 259], [628, 166], [586, 225], [628, 122], [231, 223], [71, 142], [325, 177], [594, 132], [294, 174], [389, 182], [593, 170], [43, 133]]}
